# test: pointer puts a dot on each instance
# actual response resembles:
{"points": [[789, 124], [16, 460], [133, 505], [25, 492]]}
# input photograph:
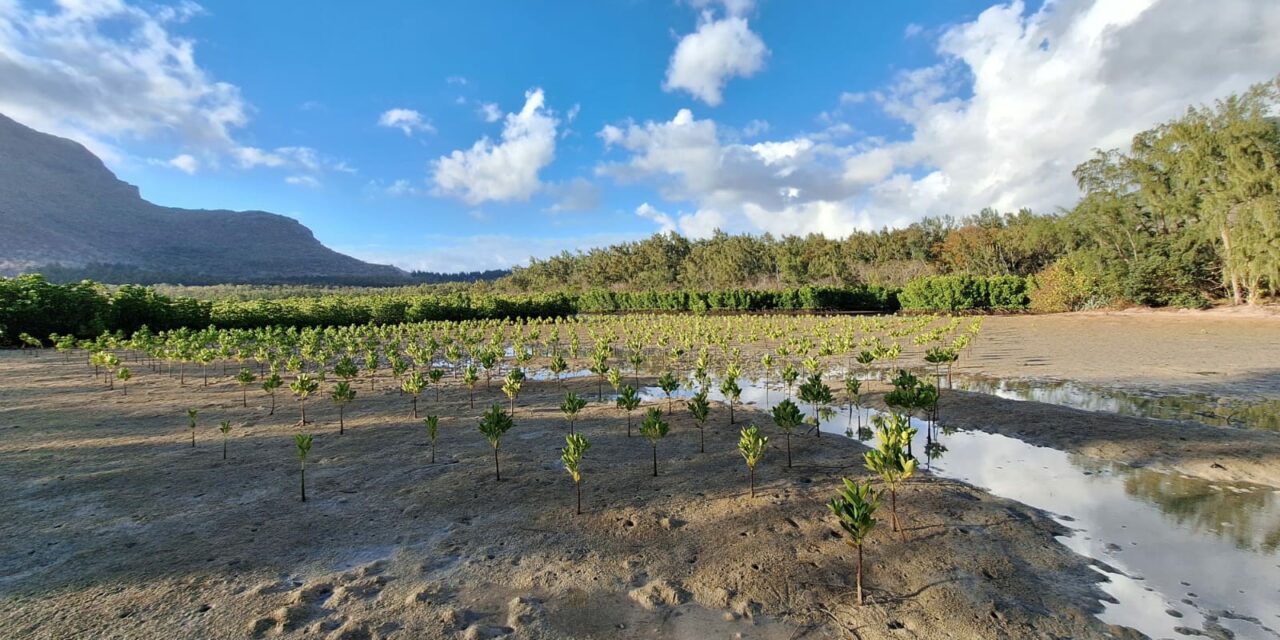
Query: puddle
{"points": [[1210, 410], [1193, 555]]}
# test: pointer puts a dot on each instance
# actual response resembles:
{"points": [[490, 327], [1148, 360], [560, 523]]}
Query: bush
{"points": [[963, 291], [1071, 283]]}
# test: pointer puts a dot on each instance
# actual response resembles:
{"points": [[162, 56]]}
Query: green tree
{"points": [[245, 378], [731, 391], [890, 459], [570, 406], [628, 401], [787, 416], [123, 374], [654, 429], [302, 387], [470, 376], [494, 424], [225, 428], [413, 385], [854, 506], [700, 409], [752, 447], [269, 386], [816, 392], [669, 385], [191, 419], [433, 430], [303, 443], [436, 378], [511, 385], [571, 455], [343, 394]]}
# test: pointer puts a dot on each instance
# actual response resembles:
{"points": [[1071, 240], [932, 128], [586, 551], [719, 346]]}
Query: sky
{"points": [[454, 136]]}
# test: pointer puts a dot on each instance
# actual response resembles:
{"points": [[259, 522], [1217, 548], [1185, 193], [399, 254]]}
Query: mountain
{"points": [[62, 212]]}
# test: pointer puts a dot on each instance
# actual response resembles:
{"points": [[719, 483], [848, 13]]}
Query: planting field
{"points": [[115, 525]]}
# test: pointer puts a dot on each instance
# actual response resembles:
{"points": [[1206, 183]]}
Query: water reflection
{"points": [[1191, 553], [1210, 410]]}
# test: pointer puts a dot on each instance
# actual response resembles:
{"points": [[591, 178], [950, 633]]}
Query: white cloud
{"points": [[310, 182], [458, 80], [665, 223], [185, 163], [490, 112], [1017, 100], [406, 120], [733, 7], [506, 170], [705, 60], [99, 72]]}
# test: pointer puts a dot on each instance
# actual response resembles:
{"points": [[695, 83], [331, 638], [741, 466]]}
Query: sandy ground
{"points": [[1223, 352], [115, 527]]}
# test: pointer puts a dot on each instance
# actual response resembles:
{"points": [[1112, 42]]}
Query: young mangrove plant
{"points": [[615, 379], [731, 391], [493, 424], [700, 409], [413, 385], [789, 376], [123, 374], [654, 429], [766, 365], [600, 367], [669, 385], [853, 389], [558, 366], [303, 443], [752, 447], [511, 386], [787, 416], [854, 506], [245, 378], [433, 430], [571, 455], [628, 401], [890, 459], [269, 386], [191, 420], [570, 406], [436, 378], [816, 392], [225, 428], [342, 395], [470, 376], [302, 387]]}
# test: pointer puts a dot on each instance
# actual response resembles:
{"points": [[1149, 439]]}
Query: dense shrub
{"points": [[1071, 283], [963, 291], [801, 299], [31, 304]]}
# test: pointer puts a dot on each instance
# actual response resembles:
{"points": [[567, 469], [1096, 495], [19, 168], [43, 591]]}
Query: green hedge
{"points": [[30, 304], [960, 292], [803, 298]]}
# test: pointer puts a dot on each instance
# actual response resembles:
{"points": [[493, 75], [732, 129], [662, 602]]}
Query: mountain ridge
{"points": [[64, 211]]}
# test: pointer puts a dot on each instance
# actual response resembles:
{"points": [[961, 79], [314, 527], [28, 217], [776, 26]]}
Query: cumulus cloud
{"points": [[1017, 99], [452, 254], [103, 71], [407, 121], [664, 221], [578, 194], [722, 48], [506, 170], [185, 163], [490, 112]]}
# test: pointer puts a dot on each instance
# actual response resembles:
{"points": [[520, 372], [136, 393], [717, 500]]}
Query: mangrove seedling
{"points": [[789, 376], [571, 405], [511, 386], [854, 506], [191, 419], [752, 447], [433, 430], [615, 379], [302, 387], [787, 416], [700, 408], [669, 385], [574, 447], [853, 388], [413, 385], [558, 366], [731, 391], [470, 376], [244, 379], [225, 428], [303, 442], [816, 392], [342, 395], [890, 459], [628, 401], [436, 377], [123, 374], [654, 428], [493, 424], [269, 386]]}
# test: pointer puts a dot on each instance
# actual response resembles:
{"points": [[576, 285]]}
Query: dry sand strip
{"points": [[114, 527], [1218, 454]]}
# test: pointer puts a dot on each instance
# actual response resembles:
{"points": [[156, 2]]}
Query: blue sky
{"points": [[450, 136]]}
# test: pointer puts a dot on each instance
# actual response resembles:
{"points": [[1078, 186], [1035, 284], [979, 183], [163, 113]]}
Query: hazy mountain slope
{"points": [[59, 205]]}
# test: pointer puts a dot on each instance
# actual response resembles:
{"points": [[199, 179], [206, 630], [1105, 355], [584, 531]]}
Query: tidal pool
{"points": [[1188, 556]]}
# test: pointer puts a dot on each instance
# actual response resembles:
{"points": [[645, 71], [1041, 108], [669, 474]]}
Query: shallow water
{"points": [[1210, 410], [1190, 554]]}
